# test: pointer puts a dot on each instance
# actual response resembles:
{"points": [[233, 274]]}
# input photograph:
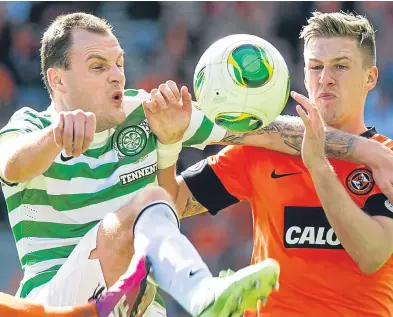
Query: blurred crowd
{"points": [[164, 40]]}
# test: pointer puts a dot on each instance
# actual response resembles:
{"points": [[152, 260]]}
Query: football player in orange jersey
{"points": [[327, 222]]}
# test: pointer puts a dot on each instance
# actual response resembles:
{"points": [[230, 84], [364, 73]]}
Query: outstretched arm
{"points": [[285, 134]]}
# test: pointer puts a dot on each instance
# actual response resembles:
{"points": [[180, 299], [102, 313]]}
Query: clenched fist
{"points": [[74, 131]]}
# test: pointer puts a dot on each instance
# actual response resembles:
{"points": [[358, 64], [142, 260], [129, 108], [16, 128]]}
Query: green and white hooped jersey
{"points": [[52, 212]]}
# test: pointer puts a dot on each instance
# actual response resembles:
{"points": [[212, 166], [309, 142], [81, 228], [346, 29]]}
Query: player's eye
{"points": [[316, 67], [341, 67], [98, 67], [120, 65]]}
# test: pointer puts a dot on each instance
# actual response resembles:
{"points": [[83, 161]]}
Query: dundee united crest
{"points": [[360, 181], [131, 140]]}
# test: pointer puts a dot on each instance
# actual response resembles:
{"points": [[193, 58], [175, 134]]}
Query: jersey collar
{"points": [[369, 133]]}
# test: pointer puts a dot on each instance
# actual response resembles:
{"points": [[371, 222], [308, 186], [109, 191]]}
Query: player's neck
{"points": [[356, 127], [59, 105]]}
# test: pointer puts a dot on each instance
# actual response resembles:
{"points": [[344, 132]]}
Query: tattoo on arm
{"points": [[339, 144], [193, 207], [290, 130]]}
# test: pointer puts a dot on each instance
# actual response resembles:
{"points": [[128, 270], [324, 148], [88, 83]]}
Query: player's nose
{"points": [[116, 75], [326, 77]]}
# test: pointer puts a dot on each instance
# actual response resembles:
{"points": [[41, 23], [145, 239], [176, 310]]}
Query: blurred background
{"points": [[164, 40]]}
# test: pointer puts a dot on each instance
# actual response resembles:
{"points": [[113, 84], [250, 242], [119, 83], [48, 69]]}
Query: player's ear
{"points": [[55, 80], [372, 77]]}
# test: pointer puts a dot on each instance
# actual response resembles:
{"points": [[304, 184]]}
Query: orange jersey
{"points": [[318, 277]]}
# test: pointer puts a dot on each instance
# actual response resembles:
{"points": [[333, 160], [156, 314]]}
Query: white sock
{"points": [[177, 266]]}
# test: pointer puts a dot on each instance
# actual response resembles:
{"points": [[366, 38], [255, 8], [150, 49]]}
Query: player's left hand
{"points": [[169, 112], [313, 145]]}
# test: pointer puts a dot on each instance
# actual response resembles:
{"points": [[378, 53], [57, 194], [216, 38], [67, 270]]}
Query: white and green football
{"points": [[241, 83]]}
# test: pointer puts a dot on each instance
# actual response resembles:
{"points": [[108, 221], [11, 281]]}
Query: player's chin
{"points": [[329, 117], [117, 117]]}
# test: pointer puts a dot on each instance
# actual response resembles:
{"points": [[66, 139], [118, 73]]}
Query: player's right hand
{"points": [[74, 131]]}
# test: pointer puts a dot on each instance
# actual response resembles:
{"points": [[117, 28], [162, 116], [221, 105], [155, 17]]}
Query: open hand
{"points": [[313, 145], [169, 112]]}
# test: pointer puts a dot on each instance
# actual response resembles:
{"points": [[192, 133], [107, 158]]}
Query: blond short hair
{"points": [[343, 25]]}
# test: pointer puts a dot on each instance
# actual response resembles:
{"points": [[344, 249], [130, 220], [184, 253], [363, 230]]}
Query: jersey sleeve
{"points": [[220, 180], [201, 131], [26, 120], [133, 98], [378, 205]]}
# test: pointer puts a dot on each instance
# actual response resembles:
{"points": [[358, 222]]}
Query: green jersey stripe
{"points": [[34, 229], [75, 201], [9, 130], [136, 116], [44, 121], [68, 172], [38, 280], [33, 123], [96, 153], [30, 245], [131, 92], [46, 254], [201, 134]]}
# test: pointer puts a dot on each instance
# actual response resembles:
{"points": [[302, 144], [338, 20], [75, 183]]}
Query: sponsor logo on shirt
{"points": [[360, 181], [138, 174], [308, 228], [311, 236]]}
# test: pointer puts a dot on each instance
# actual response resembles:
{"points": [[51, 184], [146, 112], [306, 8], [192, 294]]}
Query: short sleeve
{"points": [[232, 168], [220, 180], [26, 120], [201, 131]]}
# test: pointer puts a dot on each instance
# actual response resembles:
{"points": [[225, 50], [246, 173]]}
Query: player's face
{"points": [[337, 79], [96, 79]]}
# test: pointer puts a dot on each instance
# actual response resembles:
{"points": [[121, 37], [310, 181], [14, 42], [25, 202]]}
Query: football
{"points": [[241, 83]]}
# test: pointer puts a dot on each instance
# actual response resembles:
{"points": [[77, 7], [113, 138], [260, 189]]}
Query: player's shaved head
{"points": [[340, 24], [56, 40]]}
